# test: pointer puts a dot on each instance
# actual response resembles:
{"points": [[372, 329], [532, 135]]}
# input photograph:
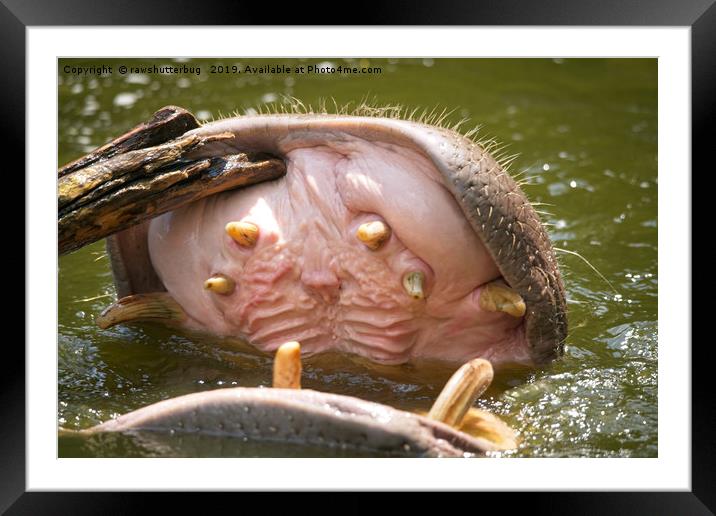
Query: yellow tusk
{"points": [[480, 423], [220, 284], [373, 234], [287, 366], [461, 391], [157, 306], [413, 283], [245, 234], [498, 297]]}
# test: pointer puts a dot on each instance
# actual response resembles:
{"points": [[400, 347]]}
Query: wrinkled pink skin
{"points": [[310, 279]]}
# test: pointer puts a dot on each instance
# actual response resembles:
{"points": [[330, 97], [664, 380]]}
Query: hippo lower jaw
{"points": [[287, 414], [302, 417], [390, 239]]}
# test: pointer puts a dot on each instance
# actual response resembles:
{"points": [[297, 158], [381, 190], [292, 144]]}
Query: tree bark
{"points": [[143, 174]]}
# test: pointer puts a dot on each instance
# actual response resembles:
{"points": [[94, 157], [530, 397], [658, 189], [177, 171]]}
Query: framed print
{"points": [[403, 169]]}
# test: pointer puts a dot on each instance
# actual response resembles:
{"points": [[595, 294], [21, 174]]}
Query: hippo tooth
{"points": [[287, 366], [244, 233], [220, 284], [373, 234], [413, 284], [480, 423], [498, 297], [461, 391], [157, 306]]}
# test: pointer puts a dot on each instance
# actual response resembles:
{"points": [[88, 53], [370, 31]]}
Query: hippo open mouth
{"points": [[387, 238]]}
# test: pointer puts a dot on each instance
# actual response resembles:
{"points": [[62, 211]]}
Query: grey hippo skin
{"points": [[303, 417]]}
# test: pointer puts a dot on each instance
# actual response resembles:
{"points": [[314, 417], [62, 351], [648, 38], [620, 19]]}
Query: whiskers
{"points": [[574, 253]]}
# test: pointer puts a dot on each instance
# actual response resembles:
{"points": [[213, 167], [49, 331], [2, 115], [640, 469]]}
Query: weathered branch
{"points": [[114, 189], [166, 124]]}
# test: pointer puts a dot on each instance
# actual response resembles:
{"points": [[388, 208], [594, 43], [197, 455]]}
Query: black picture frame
{"points": [[17, 15]]}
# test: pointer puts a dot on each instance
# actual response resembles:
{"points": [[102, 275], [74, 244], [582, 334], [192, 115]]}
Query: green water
{"points": [[586, 134]]}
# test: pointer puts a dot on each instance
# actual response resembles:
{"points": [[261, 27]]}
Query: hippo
{"points": [[391, 239]]}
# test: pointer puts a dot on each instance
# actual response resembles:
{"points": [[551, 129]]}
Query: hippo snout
{"points": [[386, 238]]}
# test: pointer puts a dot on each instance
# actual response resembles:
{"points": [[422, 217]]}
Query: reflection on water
{"points": [[585, 133]]}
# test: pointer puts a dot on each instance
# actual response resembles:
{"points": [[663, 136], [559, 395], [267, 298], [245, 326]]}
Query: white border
{"points": [[671, 470]]}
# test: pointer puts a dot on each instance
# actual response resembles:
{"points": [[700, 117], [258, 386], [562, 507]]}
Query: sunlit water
{"points": [[586, 134]]}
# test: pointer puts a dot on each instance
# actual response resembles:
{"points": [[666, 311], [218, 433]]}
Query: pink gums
{"points": [[310, 279]]}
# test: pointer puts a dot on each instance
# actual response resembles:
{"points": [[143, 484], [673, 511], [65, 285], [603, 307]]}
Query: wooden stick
{"points": [[110, 190], [166, 124], [150, 197], [90, 183]]}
